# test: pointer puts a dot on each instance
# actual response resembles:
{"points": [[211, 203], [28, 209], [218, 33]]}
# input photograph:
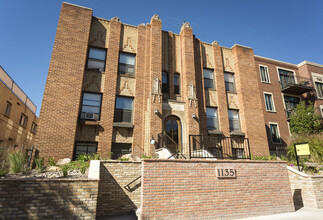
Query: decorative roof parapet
{"points": [[155, 17], [115, 18], [186, 25]]}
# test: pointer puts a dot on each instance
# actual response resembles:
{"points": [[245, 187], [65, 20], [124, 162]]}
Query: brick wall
{"points": [[189, 189], [48, 199], [307, 190], [113, 198]]}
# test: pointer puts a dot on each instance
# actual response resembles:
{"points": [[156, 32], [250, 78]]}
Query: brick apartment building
{"points": [[114, 87], [18, 120]]}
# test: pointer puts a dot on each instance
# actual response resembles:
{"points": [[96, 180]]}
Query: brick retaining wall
{"points": [[113, 198], [48, 199], [307, 190], [189, 189]]}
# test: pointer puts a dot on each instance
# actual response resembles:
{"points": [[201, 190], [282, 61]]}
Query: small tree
{"points": [[304, 120]]}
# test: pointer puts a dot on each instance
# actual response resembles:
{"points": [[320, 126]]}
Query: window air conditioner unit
{"points": [[89, 115]]}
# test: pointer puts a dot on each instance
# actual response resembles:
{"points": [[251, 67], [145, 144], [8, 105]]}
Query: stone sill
{"points": [[122, 125], [215, 132], [237, 133]]}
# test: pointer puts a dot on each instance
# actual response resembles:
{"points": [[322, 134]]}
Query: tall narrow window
{"points": [[165, 87], [286, 78], [319, 89], [177, 83], [127, 64], [123, 111], [33, 128], [212, 118], [234, 121], [264, 74], [229, 82], [208, 78], [85, 148], [23, 120], [8, 109], [91, 106], [269, 102], [274, 133], [96, 59]]}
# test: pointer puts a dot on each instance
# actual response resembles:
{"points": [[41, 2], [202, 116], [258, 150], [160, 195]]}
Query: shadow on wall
{"points": [[297, 199], [112, 199]]}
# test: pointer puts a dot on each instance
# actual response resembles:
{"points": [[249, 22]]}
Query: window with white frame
{"points": [[212, 118], [96, 59], [274, 133], [127, 64], [91, 106], [269, 102], [264, 75], [319, 89], [208, 78]]}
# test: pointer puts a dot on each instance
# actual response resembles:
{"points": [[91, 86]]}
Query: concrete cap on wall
{"points": [[115, 18]]}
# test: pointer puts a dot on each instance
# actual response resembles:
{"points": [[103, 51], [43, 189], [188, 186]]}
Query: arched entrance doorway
{"points": [[173, 130]]}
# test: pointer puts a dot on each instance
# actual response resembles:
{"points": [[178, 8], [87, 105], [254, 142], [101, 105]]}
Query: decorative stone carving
{"points": [[156, 91], [186, 25], [192, 95], [215, 42], [156, 17], [115, 18]]}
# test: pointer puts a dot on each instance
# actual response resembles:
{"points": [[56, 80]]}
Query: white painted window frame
{"points": [[280, 140], [272, 100], [314, 76], [267, 71], [282, 68]]}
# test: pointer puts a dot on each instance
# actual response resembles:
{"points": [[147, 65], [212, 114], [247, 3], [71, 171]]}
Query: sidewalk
{"points": [[301, 214]]}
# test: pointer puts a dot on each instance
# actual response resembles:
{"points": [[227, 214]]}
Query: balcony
{"points": [[289, 85]]}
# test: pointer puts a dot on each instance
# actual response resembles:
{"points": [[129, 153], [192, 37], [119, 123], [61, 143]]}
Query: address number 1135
{"points": [[226, 173]]}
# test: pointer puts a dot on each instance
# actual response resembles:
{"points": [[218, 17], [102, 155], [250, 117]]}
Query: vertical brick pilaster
{"points": [[221, 93], [155, 59], [187, 77], [251, 115], [109, 92], [62, 95], [137, 143]]}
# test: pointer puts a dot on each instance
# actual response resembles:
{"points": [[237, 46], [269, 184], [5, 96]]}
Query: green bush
{"points": [[40, 164], [316, 147], [17, 161], [87, 157], [51, 161], [3, 161], [65, 169]]}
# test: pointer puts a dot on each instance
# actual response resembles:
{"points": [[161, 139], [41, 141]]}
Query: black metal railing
{"points": [[290, 81], [165, 141], [219, 147]]}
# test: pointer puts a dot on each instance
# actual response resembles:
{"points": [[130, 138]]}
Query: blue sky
{"points": [[290, 31]]}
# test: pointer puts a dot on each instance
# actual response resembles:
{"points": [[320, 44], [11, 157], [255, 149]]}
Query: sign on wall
{"points": [[225, 172]]}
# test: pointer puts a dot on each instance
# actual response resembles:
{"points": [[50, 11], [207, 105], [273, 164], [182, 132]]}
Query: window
{"points": [[234, 121], [23, 120], [8, 109], [120, 149], [127, 64], [264, 74], [123, 111], [269, 102], [91, 106], [286, 78], [208, 78], [229, 82], [96, 59], [274, 132], [177, 83], [33, 128], [212, 119], [291, 102], [319, 89], [165, 87], [85, 148]]}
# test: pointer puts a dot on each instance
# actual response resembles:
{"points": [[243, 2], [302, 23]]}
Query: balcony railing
{"points": [[299, 86], [219, 147]]}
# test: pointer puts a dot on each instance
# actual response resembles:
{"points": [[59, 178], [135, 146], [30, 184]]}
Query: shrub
{"points": [[83, 169], [40, 164], [3, 161], [87, 157], [316, 147], [65, 170], [51, 161], [17, 161]]}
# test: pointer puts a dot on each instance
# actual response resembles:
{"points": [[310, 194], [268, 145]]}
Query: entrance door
{"points": [[172, 128]]}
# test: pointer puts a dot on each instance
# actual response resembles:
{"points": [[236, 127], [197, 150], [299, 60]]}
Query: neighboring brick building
{"points": [[120, 88], [18, 122]]}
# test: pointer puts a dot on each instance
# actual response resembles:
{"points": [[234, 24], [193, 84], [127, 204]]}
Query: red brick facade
{"points": [[155, 51]]}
